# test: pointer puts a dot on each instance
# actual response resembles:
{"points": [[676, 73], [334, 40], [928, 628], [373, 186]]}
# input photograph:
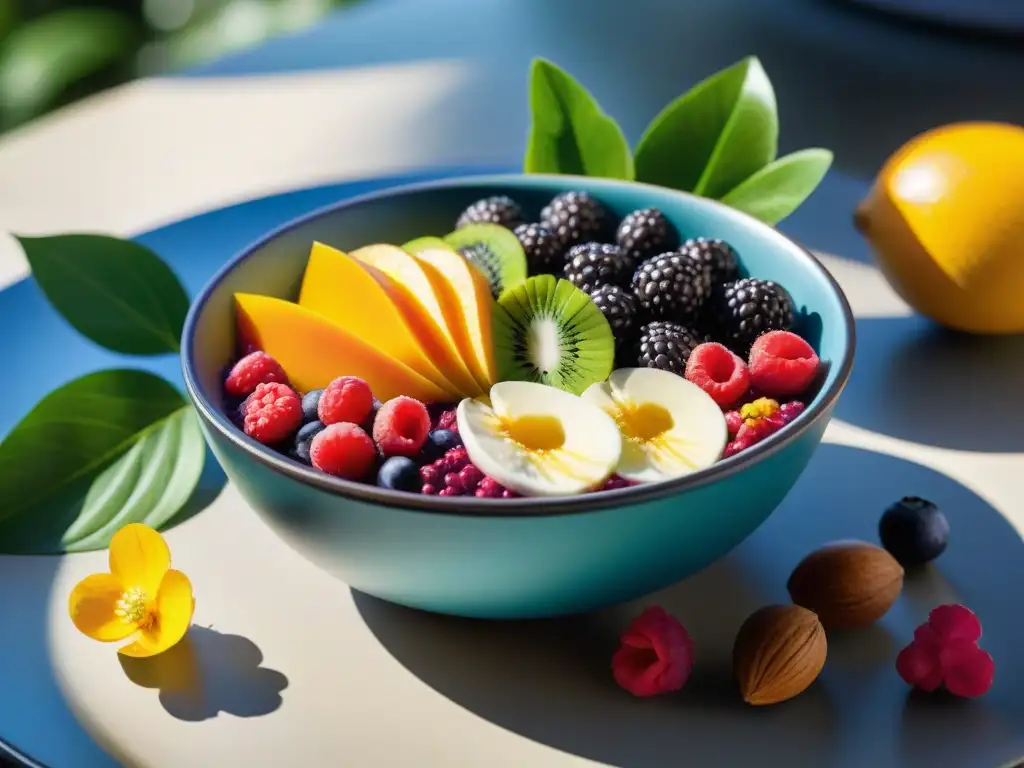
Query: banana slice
{"points": [[669, 426], [539, 441]]}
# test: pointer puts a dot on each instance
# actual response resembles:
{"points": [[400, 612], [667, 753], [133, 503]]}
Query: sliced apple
{"points": [[538, 440], [669, 426], [314, 351]]}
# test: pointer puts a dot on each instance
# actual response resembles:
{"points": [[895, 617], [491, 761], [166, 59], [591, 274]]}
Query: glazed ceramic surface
{"points": [[511, 558]]}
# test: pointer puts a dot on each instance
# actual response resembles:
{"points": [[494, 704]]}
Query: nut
{"points": [[848, 584], [779, 652]]}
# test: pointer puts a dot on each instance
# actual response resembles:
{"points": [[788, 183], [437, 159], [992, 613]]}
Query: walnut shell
{"points": [[779, 651], [848, 584]]}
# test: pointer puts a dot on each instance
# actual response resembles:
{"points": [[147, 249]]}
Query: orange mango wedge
{"points": [[314, 351]]}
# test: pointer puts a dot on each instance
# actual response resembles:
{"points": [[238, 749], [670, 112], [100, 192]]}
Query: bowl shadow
{"points": [[550, 680]]}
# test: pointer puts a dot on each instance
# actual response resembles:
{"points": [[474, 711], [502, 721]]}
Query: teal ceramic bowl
{"points": [[511, 558]]}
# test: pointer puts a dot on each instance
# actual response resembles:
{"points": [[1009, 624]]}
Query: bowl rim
{"points": [[521, 506]]}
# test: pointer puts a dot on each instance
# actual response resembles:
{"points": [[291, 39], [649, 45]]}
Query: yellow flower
{"points": [[141, 596]]}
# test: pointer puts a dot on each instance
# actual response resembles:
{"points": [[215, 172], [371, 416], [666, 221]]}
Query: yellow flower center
{"points": [[643, 422], [133, 608], [758, 409], [536, 434]]}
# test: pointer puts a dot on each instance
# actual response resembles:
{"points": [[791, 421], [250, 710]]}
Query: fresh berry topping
{"points": [[271, 413], [645, 233], [304, 439], [347, 398], [746, 308], [311, 405], [666, 346], [545, 254], [733, 422], [253, 369], [439, 442], [914, 531], [575, 217], [671, 286], [619, 308], [401, 426], [489, 488], [448, 420], [492, 210], [715, 257], [343, 450], [719, 372], [591, 265], [655, 656], [367, 424], [945, 652], [781, 364], [615, 482], [400, 473]]}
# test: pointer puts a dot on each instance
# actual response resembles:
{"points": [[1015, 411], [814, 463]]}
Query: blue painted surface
{"points": [[476, 560]]}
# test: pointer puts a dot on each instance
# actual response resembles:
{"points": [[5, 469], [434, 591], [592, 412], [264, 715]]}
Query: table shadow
{"points": [[550, 680], [208, 673], [916, 381]]}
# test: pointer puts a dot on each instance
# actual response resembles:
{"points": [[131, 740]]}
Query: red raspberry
{"points": [[447, 420], [428, 490], [271, 413], [347, 398], [719, 372], [781, 363], [255, 368], [945, 652], [401, 426], [470, 477], [489, 488], [656, 654], [733, 422], [343, 450]]}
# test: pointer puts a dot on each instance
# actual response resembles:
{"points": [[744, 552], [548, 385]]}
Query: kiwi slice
{"points": [[493, 250], [421, 244], [549, 331]]}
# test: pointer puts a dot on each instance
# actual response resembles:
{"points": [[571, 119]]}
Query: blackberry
{"points": [[671, 287], [544, 252], [592, 265], [716, 257], [746, 308], [575, 217], [666, 346], [645, 233], [619, 307], [499, 209]]}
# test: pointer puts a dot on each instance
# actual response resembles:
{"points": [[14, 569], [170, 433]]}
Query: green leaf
{"points": [[149, 484], [72, 435], [115, 292], [569, 133], [42, 58], [714, 136], [779, 188]]}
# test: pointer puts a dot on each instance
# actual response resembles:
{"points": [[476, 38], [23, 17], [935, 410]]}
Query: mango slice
{"points": [[314, 351], [344, 291], [422, 292]]}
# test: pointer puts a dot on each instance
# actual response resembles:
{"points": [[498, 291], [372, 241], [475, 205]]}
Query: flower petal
{"points": [[174, 607], [955, 622], [918, 665], [968, 671], [91, 607], [139, 557]]}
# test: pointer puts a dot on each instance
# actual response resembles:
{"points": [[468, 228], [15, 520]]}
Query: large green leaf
{"points": [[714, 136], [778, 189], [49, 460], [40, 59], [569, 133], [117, 293]]}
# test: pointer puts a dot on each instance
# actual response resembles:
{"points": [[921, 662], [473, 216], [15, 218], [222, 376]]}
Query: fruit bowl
{"points": [[524, 557]]}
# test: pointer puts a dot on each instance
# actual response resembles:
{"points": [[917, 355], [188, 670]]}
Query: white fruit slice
{"points": [[539, 441], [669, 426]]}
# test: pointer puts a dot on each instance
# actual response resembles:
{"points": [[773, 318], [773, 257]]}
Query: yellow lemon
{"points": [[946, 221]]}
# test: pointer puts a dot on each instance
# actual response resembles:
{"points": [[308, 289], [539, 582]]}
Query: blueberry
{"points": [[439, 442], [310, 402], [368, 424], [304, 438], [914, 531], [400, 474]]}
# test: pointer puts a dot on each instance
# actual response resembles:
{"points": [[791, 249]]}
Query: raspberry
{"points": [[347, 398], [271, 413], [733, 422], [719, 372], [489, 488], [401, 426], [945, 651], [343, 450], [655, 655], [781, 363], [255, 368], [448, 420]]}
